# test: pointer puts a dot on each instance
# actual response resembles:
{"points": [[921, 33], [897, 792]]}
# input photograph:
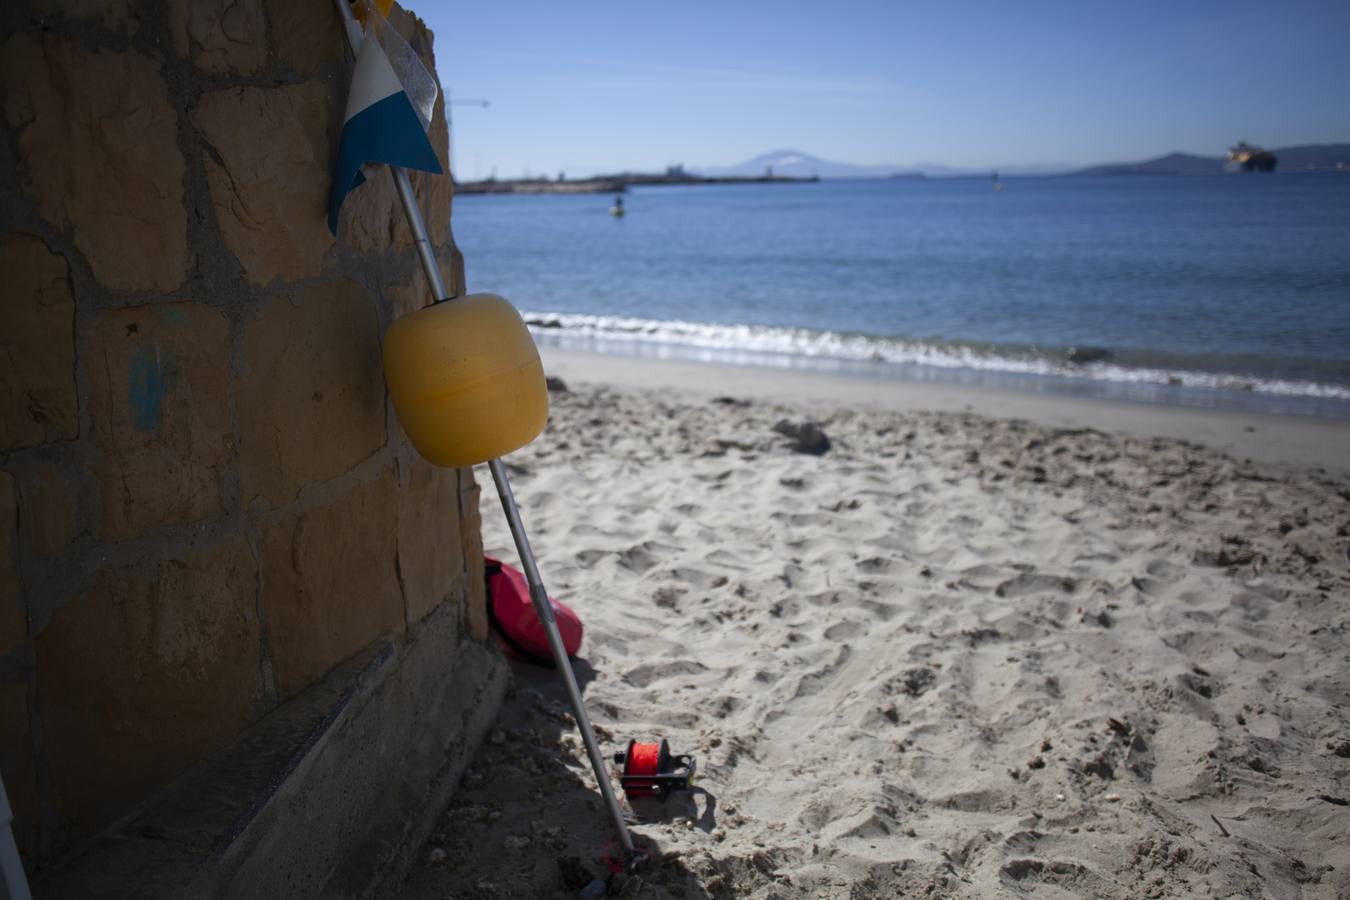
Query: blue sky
{"points": [[601, 86]]}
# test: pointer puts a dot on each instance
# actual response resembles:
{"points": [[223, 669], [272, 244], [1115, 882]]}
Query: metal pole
{"points": [[538, 596], [544, 610], [413, 212]]}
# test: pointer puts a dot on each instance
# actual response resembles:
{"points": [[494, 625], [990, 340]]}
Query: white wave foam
{"points": [[789, 347]]}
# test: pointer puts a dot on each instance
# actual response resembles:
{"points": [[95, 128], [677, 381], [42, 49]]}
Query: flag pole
{"points": [[543, 608]]}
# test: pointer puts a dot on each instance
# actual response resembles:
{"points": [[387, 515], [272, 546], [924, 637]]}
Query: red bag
{"points": [[513, 618]]}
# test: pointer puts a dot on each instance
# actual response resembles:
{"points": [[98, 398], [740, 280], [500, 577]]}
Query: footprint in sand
{"points": [[1161, 568], [725, 706], [695, 578], [1149, 587], [1252, 607], [1182, 748], [1024, 875], [1031, 583], [913, 682], [584, 529], [588, 558], [644, 675], [726, 560], [843, 631], [876, 609], [815, 681], [876, 565], [806, 520], [642, 557], [668, 597], [1199, 682]]}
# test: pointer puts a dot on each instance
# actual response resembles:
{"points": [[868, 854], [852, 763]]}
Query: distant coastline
{"points": [[1304, 158], [787, 166], [539, 186], [617, 184]]}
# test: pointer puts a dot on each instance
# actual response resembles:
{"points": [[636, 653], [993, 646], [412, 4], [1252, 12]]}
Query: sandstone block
{"points": [[37, 369], [16, 763], [430, 552], [269, 163], [413, 294], [372, 217], [145, 673], [220, 35], [160, 436], [47, 506], [312, 404], [330, 586], [409, 296], [13, 621], [122, 16], [98, 149], [305, 36]]}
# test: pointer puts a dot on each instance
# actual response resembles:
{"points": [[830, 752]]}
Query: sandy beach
{"points": [[984, 644]]}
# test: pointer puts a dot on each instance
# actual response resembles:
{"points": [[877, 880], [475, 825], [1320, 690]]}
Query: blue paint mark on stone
{"points": [[150, 378]]}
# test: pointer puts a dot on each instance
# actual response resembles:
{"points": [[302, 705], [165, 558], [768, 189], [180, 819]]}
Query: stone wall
{"points": [[206, 502]]}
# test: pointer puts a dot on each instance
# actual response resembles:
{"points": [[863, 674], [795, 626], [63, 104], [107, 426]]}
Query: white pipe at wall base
{"points": [[13, 882]]}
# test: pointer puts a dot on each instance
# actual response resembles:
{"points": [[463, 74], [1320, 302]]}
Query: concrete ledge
{"points": [[331, 795]]}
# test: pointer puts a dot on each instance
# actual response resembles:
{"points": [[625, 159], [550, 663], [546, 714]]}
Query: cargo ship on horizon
{"points": [[1245, 157]]}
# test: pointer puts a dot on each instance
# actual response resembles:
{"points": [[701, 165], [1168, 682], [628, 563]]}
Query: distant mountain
{"points": [[1314, 156], [796, 164], [1290, 159], [801, 165], [1171, 164]]}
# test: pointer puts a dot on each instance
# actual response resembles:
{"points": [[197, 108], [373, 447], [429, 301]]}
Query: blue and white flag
{"points": [[388, 113]]}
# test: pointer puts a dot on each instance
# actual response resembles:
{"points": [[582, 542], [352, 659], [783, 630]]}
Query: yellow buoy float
{"points": [[466, 380]]}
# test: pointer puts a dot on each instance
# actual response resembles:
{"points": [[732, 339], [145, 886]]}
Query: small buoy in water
{"points": [[617, 208]]}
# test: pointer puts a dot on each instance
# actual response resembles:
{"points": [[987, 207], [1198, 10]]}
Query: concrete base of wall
{"points": [[331, 795]]}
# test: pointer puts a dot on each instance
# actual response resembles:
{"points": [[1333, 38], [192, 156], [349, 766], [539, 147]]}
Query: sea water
{"points": [[1220, 292]]}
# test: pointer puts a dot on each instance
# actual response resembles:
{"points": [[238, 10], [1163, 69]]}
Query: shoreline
{"points": [[1262, 437], [1207, 382]]}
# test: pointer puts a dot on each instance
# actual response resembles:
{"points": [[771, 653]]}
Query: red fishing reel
{"points": [[650, 770]]}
